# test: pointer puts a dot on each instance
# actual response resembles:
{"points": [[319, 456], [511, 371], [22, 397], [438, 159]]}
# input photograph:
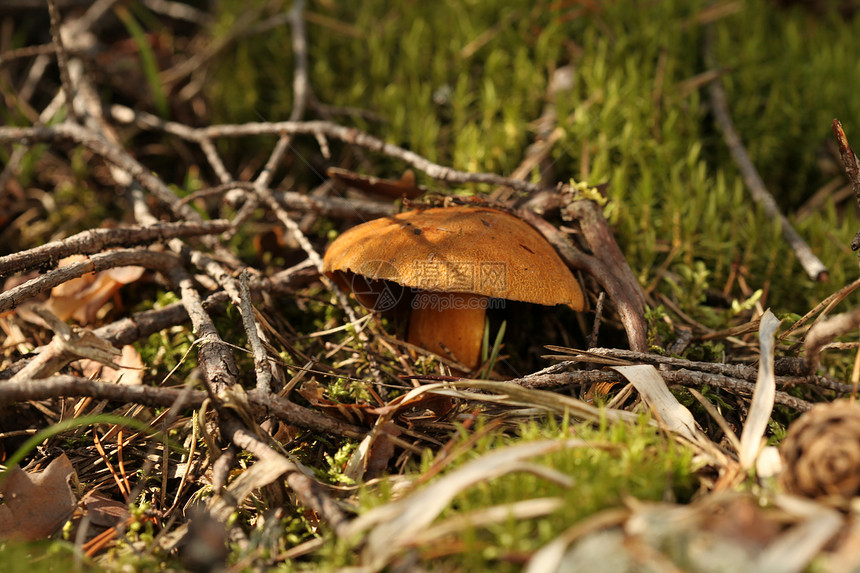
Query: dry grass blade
{"points": [[393, 526], [550, 556], [261, 473], [521, 510], [763, 397], [795, 549], [515, 395]]}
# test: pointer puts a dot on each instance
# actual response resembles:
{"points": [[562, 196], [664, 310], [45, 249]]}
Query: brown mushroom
{"points": [[454, 260]]}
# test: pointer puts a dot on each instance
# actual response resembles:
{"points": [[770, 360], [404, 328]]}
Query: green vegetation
{"points": [[461, 84], [614, 462]]}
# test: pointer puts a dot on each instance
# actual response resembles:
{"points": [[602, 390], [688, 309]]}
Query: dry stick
{"points": [[307, 489], [62, 385], [810, 263], [734, 370], [211, 154], [262, 367], [96, 240], [824, 332], [242, 300], [162, 262], [741, 371], [107, 150], [62, 56], [217, 362], [679, 377], [301, 84], [348, 135], [852, 167], [603, 245], [691, 378], [362, 139], [629, 307], [335, 207]]}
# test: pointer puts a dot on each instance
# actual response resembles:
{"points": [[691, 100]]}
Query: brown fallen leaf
{"points": [[36, 504], [81, 298], [130, 371], [104, 511], [391, 188]]}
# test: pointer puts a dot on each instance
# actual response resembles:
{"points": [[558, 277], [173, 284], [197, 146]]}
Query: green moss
{"points": [[37, 557], [461, 84], [615, 461]]}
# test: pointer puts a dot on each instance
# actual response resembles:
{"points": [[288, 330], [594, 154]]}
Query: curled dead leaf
{"points": [[81, 298]]}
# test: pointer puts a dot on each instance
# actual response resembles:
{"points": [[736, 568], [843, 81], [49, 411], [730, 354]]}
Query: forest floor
{"points": [[188, 381]]}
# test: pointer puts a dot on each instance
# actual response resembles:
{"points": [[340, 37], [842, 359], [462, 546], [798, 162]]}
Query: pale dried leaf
{"points": [[663, 404], [371, 457], [763, 397], [261, 473]]}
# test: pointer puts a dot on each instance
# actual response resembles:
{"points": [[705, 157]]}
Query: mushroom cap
{"points": [[458, 249]]}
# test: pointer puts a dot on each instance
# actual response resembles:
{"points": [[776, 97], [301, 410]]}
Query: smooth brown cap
{"points": [[458, 249]]}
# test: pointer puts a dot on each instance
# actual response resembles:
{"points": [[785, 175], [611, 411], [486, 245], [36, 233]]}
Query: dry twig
{"points": [[810, 263]]}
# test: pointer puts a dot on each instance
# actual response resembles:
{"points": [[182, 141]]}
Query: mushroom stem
{"points": [[449, 324]]}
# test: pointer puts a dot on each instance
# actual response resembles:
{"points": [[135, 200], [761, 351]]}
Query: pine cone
{"points": [[822, 452]]}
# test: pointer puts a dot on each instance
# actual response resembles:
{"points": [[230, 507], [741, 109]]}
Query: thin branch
{"points": [[787, 377], [810, 263], [96, 240], [262, 367], [348, 135], [679, 377], [162, 262], [262, 405], [216, 359], [852, 167], [62, 56], [308, 490], [301, 85], [824, 332]]}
